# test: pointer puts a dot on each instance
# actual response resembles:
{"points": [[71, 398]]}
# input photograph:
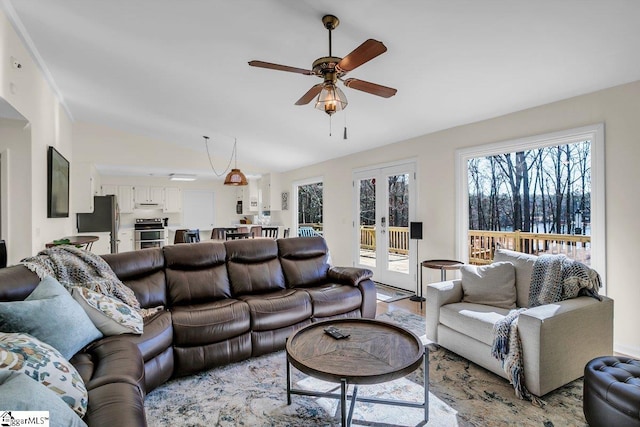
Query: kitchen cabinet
{"points": [[172, 200], [124, 193], [152, 195], [85, 184], [250, 197], [125, 237], [125, 198], [270, 197]]}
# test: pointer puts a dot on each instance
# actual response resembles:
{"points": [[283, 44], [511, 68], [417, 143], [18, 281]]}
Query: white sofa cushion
{"points": [[523, 264], [493, 284], [474, 320]]}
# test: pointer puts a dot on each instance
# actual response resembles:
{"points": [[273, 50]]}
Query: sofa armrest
{"points": [[559, 339], [439, 294], [116, 360], [349, 275]]}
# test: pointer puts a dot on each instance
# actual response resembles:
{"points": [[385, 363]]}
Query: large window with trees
{"points": [[536, 195], [309, 203]]}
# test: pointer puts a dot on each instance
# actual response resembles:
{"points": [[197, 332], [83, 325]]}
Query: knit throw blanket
{"points": [[554, 278], [73, 266]]}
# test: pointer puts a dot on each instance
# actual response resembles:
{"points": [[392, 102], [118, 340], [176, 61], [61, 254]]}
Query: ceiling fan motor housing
{"points": [[327, 65]]}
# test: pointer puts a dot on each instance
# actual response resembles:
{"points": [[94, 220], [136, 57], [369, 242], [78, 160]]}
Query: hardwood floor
{"points": [[404, 304]]}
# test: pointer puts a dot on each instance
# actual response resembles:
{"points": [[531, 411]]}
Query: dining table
{"points": [[85, 242]]}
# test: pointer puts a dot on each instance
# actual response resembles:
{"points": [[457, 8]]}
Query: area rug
{"points": [[390, 294], [253, 393]]}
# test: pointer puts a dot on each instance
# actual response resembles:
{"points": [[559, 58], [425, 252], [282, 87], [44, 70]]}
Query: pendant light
{"points": [[235, 176]]}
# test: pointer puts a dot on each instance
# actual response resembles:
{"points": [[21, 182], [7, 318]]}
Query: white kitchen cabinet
{"points": [[126, 240], [270, 198], [85, 184], [108, 189], [144, 194], [125, 198], [250, 197], [172, 200], [124, 194]]}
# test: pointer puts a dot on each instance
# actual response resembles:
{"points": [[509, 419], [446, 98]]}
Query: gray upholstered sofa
{"points": [[557, 339]]}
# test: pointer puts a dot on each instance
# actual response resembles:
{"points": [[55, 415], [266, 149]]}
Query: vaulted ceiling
{"points": [[176, 70]]}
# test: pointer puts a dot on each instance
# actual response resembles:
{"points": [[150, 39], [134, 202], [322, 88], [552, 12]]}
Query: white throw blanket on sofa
{"points": [[554, 278]]}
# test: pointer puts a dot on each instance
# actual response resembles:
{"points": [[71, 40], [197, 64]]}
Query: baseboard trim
{"points": [[628, 350]]}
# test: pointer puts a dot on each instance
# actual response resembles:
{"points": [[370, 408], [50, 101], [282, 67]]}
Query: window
{"points": [[543, 194], [309, 204]]}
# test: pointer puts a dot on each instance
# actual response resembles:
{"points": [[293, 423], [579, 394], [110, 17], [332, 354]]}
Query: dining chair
{"points": [[236, 236], [286, 232], [179, 237], [270, 232], [307, 232], [191, 236], [242, 229], [218, 233], [256, 231]]}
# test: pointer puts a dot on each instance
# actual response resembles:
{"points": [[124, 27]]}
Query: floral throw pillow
{"points": [[43, 363], [111, 316]]}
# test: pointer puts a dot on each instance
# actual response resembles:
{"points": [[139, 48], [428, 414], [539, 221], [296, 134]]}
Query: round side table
{"points": [[443, 265]]}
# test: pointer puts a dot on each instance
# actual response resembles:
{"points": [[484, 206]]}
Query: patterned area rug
{"points": [[253, 393]]}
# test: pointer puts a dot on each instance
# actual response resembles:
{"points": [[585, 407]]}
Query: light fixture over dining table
{"points": [[235, 175]]}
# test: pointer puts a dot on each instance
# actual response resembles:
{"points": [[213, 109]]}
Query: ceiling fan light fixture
{"points": [[235, 177], [331, 99]]}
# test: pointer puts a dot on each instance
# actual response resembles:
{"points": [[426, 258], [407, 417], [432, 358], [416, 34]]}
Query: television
{"points": [[57, 185]]}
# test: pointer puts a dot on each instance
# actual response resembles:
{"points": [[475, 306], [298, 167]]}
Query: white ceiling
{"points": [[176, 70]]}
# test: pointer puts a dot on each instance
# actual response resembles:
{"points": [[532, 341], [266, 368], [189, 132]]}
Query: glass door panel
{"points": [[367, 221], [382, 217], [397, 241]]}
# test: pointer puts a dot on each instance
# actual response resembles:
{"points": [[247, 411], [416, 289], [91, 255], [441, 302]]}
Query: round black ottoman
{"points": [[611, 394]]}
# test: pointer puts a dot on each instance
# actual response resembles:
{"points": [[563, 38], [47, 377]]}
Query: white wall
{"points": [[616, 107], [15, 146], [27, 91]]}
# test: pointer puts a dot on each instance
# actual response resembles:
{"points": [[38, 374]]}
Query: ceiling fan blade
{"points": [[372, 88], [279, 67], [363, 53], [311, 93]]}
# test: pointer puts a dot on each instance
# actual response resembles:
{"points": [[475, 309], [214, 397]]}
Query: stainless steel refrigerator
{"points": [[105, 217]]}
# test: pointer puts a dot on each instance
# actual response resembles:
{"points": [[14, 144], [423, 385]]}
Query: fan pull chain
{"points": [[345, 126], [329, 125]]}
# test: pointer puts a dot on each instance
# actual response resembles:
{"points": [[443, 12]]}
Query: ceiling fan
{"points": [[330, 97]]}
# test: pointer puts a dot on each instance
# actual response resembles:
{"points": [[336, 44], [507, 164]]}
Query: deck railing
{"points": [[398, 239], [482, 244]]}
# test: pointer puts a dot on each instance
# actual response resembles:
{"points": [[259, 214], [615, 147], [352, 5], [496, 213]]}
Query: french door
{"points": [[384, 206]]}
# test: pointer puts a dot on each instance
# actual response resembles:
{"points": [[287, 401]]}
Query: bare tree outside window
{"points": [[310, 206], [539, 191]]}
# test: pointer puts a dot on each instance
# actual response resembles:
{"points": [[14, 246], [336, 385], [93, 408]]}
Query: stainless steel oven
{"points": [[149, 233]]}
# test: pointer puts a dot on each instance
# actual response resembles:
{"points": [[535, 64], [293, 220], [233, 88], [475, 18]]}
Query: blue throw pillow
{"points": [[18, 392], [52, 315]]}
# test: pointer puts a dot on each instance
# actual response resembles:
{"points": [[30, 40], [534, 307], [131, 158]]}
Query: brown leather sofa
{"points": [[223, 302]]}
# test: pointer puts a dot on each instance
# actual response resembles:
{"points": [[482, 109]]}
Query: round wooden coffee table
{"points": [[375, 352]]}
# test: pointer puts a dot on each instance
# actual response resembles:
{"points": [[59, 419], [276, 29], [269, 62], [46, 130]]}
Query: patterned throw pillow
{"points": [[111, 316], [26, 354]]}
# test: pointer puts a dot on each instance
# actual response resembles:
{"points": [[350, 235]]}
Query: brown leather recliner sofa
{"points": [[223, 302]]}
